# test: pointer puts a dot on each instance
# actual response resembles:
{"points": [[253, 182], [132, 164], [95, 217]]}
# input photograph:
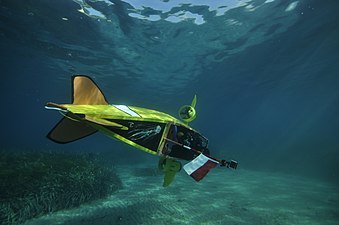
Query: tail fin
{"points": [[87, 92], [68, 130]]}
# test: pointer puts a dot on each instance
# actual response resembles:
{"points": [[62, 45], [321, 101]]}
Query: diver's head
{"points": [[180, 135]]}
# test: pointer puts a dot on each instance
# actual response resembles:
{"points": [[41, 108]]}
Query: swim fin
{"points": [[170, 168]]}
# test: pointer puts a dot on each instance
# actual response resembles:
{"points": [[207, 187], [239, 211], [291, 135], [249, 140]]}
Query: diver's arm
{"points": [[232, 164]]}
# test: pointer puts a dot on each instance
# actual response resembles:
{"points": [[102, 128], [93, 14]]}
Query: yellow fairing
{"points": [[112, 112], [90, 111], [98, 116]]}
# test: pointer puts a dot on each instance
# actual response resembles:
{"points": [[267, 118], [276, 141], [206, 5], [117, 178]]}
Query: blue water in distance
{"points": [[265, 73]]}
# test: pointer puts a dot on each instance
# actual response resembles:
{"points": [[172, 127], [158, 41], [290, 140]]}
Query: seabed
{"points": [[223, 197]]}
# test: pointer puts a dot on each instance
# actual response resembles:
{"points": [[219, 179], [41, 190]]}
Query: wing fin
{"points": [[87, 92]]}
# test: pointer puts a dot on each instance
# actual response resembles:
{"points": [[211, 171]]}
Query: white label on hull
{"points": [[127, 110]]}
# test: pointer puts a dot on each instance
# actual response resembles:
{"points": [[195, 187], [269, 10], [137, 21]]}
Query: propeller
{"points": [[187, 113]]}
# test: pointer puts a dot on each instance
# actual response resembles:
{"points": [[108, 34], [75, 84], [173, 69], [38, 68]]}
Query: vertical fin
{"points": [[87, 92]]}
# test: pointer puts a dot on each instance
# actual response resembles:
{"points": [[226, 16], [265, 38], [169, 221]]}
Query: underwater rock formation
{"points": [[33, 184]]}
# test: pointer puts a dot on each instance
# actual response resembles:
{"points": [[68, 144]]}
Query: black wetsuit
{"points": [[190, 139]]}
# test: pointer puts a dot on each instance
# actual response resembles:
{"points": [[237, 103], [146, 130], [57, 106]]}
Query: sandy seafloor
{"points": [[223, 197]]}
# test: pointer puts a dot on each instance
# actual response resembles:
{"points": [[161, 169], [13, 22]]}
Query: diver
{"points": [[180, 142], [181, 138]]}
